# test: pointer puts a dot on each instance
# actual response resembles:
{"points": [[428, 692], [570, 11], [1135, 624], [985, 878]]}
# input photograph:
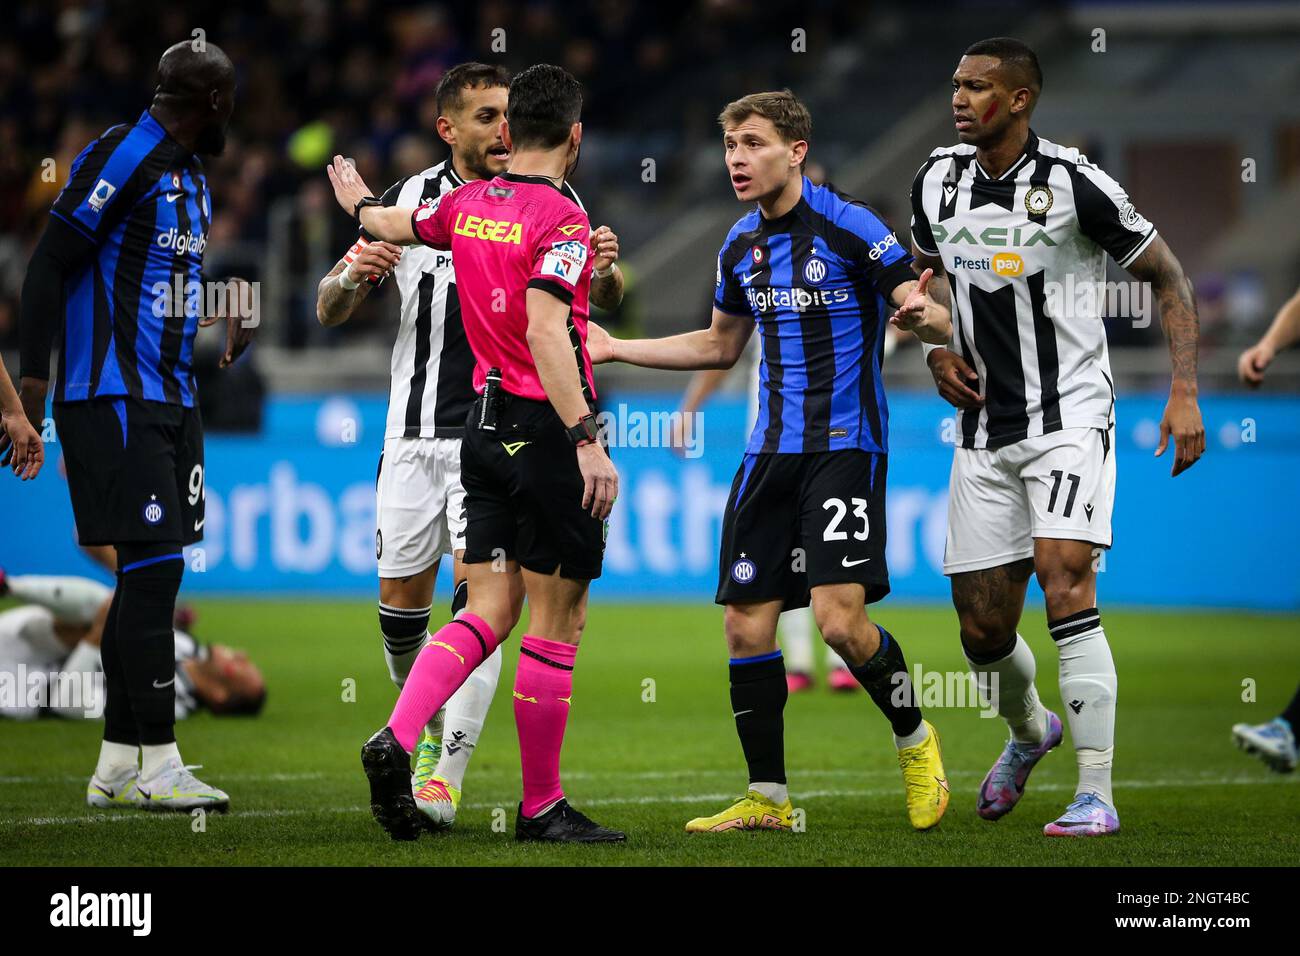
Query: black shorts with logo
{"points": [[523, 494], [796, 521], [135, 470]]}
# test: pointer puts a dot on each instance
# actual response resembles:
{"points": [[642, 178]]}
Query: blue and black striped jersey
{"points": [[817, 281], [131, 315]]}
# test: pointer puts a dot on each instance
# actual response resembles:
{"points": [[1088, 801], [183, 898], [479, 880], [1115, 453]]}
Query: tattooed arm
{"points": [[1173, 291], [335, 304]]}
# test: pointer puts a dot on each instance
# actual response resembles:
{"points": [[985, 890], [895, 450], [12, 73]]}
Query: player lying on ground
{"points": [[419, 500], [133, 218], [1273, 742], [54, 637], [1015, 221], [538, 485], [812, 269]]}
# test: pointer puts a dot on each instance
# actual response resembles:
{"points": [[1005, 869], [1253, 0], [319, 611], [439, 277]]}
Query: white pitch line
{"points": [[128, 815], [245, 777]]}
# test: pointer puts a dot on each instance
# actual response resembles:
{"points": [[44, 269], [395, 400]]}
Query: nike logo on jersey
{"points": [[198, 525], [741, 713], [172, 197], [165, 684], [849, 564], [745, 280]]}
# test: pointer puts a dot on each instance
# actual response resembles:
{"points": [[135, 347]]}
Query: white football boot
{"points": [[175, 788]]}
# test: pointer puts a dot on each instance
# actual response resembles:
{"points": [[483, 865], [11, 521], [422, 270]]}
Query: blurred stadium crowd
{"points": [[320, 77], [356, 77]]}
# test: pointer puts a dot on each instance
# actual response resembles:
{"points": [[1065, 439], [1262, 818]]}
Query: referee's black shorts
{"points": [[523, 494], [135, 470]]}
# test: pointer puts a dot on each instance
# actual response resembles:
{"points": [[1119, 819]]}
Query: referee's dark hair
{"points": [[450, 95], [1019, 62], [545, 101]]}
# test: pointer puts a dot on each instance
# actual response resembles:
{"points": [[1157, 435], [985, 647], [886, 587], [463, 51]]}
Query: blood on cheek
{"points": [[990, 112]]}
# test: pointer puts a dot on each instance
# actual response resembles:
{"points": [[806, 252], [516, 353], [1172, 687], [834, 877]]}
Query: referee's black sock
{"points": [[148, 578], [885, 678], [758, 695], [119, 722]]}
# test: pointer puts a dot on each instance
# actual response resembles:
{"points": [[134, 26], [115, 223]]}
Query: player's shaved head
{"points": [[1017, 64], [195, 94], [188, 73]]}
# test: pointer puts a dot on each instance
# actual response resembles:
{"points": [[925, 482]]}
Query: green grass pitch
{"points": [[1186, 796]]}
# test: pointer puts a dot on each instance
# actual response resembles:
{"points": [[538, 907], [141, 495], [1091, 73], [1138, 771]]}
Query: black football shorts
{"points": [[523, 495], [135, 470], [796, 521]]}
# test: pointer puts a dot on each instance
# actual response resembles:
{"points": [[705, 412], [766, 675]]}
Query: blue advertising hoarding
{"points": [[291, 510]]}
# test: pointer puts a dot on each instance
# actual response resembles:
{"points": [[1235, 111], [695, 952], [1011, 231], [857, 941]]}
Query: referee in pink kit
{"points": [[538, 484]]}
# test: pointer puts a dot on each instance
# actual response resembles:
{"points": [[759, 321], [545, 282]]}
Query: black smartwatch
{"points": [[364, 201], [583, 433]]}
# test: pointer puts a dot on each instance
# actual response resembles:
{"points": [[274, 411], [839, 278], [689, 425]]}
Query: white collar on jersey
{"points": [[1031, 148]]}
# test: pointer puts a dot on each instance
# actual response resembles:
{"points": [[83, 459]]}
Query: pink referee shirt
{"points": [[508, 235]]}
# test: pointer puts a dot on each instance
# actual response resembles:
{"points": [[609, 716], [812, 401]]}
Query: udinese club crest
{"points": [[1038, 200]]}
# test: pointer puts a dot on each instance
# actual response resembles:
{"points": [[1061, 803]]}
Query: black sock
{"points": [[1292, 713], [460, 597], [885, 678], [148, 578], [758, 694], [119, 722]]}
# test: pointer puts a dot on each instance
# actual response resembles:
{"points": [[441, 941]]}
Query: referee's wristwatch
{"points": [[362, 203], [583, 433]]}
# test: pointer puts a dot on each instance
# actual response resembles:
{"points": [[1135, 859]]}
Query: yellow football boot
{"points": [[925, 780], [752, 812]]}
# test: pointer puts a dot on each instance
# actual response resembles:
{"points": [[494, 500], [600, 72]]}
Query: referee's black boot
{"points": [[563, 824], [388, 768]]}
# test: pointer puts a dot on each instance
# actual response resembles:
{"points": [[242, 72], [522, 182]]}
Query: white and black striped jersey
{"points": [[1025, 255], [432, 367]]}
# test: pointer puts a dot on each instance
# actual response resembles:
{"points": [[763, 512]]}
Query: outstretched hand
{"points": [[349, 187], [915, 305]]}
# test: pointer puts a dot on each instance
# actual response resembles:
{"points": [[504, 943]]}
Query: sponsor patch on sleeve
{"points": [[100, 194], [1131, 219], [565, 261], [427, 208]]}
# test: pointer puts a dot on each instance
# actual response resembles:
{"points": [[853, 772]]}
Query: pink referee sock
{"points": [[444, 663], [543, 686]]}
